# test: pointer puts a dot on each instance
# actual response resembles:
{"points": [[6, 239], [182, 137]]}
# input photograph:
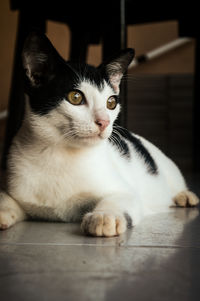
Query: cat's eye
{"points": [[111, 103], [75, 97]]}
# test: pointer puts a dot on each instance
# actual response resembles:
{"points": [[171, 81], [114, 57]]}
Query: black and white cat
{"points": [[69, 161]]}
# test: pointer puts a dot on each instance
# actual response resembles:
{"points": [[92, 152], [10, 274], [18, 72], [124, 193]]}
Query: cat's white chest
{"points": [[58, 182], [64, 175]]}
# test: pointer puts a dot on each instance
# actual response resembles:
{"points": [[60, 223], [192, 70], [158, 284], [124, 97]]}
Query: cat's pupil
{"points": [[76, 95]]}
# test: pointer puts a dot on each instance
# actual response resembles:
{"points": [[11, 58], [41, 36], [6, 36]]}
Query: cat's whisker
{"points": [[118, 136], [116, 142], [116, 126], [69, 134], [115, 139]]}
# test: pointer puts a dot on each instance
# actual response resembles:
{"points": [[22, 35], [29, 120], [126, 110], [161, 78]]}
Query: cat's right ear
{"points": [[38, 58], [116, 66]]}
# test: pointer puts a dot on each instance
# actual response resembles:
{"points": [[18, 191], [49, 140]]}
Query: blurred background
{"points": [[160, 92]]}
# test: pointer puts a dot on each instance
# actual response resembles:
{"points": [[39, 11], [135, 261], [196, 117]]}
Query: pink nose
{"points": [[102, 124]]}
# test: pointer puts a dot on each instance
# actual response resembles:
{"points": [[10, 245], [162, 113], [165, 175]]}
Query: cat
{"points": [[71, 162]]}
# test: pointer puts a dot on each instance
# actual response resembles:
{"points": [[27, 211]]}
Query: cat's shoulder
{"points": [[127, 144]]}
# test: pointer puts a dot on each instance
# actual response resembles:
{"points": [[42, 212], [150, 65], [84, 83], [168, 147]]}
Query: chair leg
{"points": [[114, 39], [16, 99], [196, 111]]}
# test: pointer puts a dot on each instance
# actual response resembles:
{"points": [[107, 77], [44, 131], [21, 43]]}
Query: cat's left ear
{"points": [[117, 66]]}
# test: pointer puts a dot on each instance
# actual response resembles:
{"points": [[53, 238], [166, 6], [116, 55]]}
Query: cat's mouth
{"points": [[93, 137], [90, 137]]}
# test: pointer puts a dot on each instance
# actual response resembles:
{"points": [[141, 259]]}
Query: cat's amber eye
{"points": [[75, 97], [111, 103]]}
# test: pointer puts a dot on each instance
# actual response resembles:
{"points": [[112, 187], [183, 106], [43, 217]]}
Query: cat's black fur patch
{"points": [[138, 146], [89, 73], [129, 222], [49, 78], [68, 77]]}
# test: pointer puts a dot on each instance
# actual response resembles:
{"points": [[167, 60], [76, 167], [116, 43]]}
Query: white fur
{"points": [[53, 173]]}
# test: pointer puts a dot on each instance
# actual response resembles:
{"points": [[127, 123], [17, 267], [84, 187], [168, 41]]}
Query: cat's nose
{"points": [[102, 124]]}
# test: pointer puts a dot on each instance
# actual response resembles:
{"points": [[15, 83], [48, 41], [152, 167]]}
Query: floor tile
{"points": [[165, 229], [158, 260], [42, 272]]}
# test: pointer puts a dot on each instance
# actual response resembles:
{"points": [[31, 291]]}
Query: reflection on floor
{"points": [[157, 260]]}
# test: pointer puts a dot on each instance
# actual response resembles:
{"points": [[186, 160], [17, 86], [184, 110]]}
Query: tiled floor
{"points": [[157, 260]]}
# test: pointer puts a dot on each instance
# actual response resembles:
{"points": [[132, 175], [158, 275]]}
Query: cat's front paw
{"points": [[103, 224], [7, 219]]}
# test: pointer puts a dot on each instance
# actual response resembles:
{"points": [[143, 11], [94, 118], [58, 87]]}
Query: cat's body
{"points": [[54, 182], [69, 162]]}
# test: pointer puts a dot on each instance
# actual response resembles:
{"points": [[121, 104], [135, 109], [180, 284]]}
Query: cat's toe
{"points": [[186, 199], [102, 224], [7, 219]]}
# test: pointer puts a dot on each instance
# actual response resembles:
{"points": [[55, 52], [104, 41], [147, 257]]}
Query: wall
{"points": [[8, 24]]}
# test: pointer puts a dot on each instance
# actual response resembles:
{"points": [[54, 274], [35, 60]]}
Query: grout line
{"points": [[103, 245]]}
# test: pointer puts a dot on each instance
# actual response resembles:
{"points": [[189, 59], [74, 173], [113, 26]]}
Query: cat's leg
{"points": [[112, 216], [10, 211], [186, 198]]}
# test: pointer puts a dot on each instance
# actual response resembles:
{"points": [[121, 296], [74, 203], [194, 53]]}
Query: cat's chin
{"points": [[87, 140], [91, 140]]}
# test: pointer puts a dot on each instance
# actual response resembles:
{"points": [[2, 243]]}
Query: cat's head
{"points": [[75, 102]]}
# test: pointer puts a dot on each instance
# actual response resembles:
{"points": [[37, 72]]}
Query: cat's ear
{"points": [[117, 66], [38, 58]]}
